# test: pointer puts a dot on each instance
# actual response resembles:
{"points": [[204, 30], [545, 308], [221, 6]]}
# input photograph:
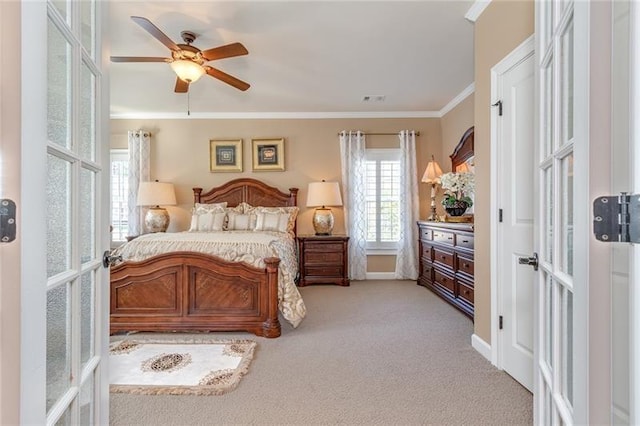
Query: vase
{"points": [[457, 208]]}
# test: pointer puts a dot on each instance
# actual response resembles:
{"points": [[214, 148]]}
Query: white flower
{"points": [[457, 186]]}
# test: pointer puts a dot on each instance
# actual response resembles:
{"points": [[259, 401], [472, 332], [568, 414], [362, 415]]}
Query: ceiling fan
{"points": [[187, 61]]}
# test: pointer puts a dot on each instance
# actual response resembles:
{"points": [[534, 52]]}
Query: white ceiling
{"points": [[306, 58]]}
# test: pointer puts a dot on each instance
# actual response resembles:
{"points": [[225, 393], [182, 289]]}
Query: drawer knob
{"points": [[465, 241], [466, 265]]}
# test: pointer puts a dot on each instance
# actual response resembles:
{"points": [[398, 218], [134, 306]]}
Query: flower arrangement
{"points": [[457, 187]]}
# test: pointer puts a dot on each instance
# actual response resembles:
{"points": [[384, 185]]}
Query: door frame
{"points": [[520, 53]]}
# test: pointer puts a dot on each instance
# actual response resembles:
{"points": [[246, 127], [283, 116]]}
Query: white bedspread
{"points": [[250, 247]]}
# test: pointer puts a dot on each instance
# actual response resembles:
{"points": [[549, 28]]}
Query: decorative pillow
{"points": [[272, 222], [291, 212], [200, 208], [240, 222], [206, 222]]}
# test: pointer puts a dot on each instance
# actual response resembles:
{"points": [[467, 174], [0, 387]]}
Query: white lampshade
{"points": [[432, 173], [323, 194], [156, 194], [188, 71]]}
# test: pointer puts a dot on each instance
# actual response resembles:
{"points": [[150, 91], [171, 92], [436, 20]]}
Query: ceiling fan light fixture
{"points": [[186, 70]]}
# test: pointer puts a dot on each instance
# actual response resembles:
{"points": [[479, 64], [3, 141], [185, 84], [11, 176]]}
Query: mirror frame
{"points": [[464, 150]]}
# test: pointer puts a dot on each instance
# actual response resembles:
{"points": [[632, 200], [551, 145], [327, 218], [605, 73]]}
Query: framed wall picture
{"points": [[268, 154], [225, 155]]}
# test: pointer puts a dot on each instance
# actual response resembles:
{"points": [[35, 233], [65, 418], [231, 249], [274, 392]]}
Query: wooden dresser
{"points": [[446, 262], [323, 259]]}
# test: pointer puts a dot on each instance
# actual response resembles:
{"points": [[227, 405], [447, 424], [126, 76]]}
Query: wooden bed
{"points": [[183, 291]]}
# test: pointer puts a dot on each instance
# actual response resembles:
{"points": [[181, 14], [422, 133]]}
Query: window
{"points": [[119, 194], [383, 198]]}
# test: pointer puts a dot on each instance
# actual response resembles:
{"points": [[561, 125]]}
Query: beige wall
{"points": [[180, 154], [10, 147], [503, 25]]}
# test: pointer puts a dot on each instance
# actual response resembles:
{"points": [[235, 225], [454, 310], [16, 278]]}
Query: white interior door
{"points": [[65, 287], [513, 85]]}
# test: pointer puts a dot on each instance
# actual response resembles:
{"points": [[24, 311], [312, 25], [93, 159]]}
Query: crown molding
{"points": [[476, 10], [272, 115], [455, 101]]}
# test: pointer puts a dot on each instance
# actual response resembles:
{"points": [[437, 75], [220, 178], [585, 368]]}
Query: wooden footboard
{"points": [[193, 291]]}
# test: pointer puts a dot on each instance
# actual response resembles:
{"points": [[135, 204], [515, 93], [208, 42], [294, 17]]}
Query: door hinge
{"points": [[7, 220], [499, 215], [500, 322], [617, 218], [499, 105]]}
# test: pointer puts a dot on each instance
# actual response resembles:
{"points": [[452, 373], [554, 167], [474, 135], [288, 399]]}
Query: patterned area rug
{"points": [[178, 367]]}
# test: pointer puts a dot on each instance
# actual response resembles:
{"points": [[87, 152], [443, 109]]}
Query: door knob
{"points": [[533, 261], [108, 260]]}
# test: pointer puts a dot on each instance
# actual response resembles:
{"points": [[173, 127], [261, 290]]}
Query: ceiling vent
{"points": [[374, 98]]}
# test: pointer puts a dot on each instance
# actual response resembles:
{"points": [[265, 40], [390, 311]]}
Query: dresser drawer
{"points": [[427, 270], [465, 264], [465, 292], [443, 237], [312, 257], [427, 252], [465, 241], [426, 234], [443, 280], [323, 271], [443, 257]]}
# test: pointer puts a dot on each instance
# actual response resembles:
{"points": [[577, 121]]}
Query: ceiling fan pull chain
{"points": [[188, 104]]}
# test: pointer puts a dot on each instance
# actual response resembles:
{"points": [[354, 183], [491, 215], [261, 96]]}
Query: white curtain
{"points": [[407, 257], [139, 150], [352, 154]]}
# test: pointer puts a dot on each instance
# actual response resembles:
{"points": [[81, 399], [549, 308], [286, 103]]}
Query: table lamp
{"points": [[155, 194], [432, 175], [321, 195]]}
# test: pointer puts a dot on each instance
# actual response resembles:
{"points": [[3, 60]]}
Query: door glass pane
{"points": [[58, 87], [548, 321], [87, 215], [58, 343], [566, 168], [547, 116], [58, 216], [65, 419], [548, 216], [567, 85], [567, 343], [87, 25], [87, 405], [87, 114], [61, 6], [87, 311]]}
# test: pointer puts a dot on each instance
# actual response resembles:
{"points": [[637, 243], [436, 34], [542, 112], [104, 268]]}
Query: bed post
{"points": [[271, 327], [196, 195], [293, 194]]}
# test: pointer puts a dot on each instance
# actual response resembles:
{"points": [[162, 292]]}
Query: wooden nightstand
{"points": [[323, 259]]}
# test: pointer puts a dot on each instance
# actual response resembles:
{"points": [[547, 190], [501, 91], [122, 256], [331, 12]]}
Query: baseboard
{"points": [[381, 276], [481, 346]]}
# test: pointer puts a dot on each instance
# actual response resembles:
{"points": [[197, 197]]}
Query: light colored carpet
{"points": [[194, 366], [378, 352]]}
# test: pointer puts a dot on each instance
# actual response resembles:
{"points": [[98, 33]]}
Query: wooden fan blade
{"points": [[227, 51], [155, 31], [181, 86], [138, 59], [230, 80]]}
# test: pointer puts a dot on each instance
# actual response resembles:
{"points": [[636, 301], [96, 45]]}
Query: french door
{"points": [[65, 216], [557, 283]]}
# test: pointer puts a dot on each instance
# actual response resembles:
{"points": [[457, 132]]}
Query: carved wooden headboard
{"points": [[463, 151]]}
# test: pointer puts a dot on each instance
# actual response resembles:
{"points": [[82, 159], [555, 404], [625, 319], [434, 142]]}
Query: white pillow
{"points": [[272, 222], [240, 222], [291, 212], [206, 222], [200, 208]]}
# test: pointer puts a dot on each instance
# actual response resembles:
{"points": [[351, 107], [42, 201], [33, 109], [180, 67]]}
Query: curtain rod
{"points": [[380, 134]]}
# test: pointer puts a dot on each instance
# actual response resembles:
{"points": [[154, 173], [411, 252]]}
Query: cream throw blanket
{"points": [[250, 247]]}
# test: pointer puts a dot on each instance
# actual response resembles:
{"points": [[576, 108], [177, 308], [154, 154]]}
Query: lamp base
{"points": [[157, 219], [323, 221]]}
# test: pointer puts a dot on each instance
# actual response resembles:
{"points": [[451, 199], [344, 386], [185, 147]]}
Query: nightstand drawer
{"points": [[322, 247], [443, 257], [312, 257], [443, 237], [324, 271]]}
